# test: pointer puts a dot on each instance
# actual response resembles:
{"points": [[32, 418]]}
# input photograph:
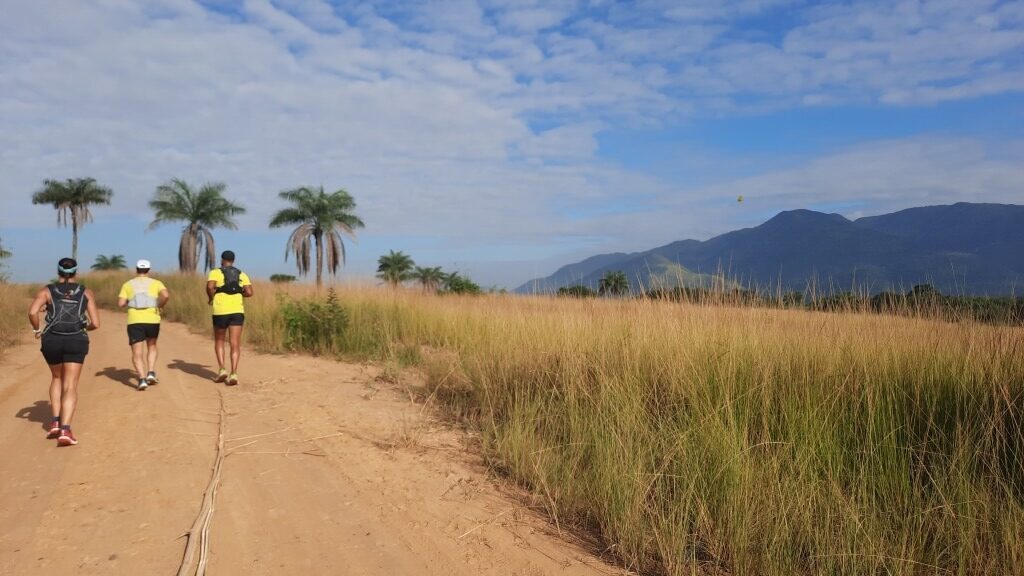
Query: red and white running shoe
{"points": [[66, 438], [54, 430]]}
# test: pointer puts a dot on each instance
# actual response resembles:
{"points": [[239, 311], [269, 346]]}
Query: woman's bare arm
{"points": [[92, 310], [41, 299]]}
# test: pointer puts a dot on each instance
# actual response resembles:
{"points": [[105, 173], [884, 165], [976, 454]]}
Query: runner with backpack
{"points": [[227, 287], [145, 297], [70, 313]]}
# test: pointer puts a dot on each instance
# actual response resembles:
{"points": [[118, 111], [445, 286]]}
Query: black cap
{"points": [[67, 267], [227, 255]]}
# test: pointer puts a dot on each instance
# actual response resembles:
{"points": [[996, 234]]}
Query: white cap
{"points": [[143, 264]]}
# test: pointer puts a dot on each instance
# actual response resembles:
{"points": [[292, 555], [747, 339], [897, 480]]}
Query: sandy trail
{"points": [[330, 471]]}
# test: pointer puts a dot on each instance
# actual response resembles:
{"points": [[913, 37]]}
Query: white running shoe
{"points": [[142, 385]]}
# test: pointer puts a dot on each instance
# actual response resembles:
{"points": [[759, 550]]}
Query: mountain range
{"points": [[963, 248]]}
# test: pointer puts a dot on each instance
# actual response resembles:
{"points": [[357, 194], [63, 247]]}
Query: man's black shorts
{"points": [[139, 332], [222, 321], [64, 349]]}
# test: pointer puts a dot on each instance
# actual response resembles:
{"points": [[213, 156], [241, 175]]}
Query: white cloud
{"points": [[427, 110]]}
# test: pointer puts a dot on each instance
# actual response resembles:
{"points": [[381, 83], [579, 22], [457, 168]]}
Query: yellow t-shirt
{"points": [[227, 303], [152, 289]]}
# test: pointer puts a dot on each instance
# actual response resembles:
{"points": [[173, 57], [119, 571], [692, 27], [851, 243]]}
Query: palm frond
{"points": [[72, 197], [299, 243], [287, 217], [177, 201], [335, 252]]}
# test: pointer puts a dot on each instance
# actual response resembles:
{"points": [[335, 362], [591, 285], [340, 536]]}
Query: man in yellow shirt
{"points": [[144, 297], [227, 288]]}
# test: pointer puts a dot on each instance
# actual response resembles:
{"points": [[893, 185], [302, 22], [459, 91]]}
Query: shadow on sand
{"points": [[200, 370], [121, 375], [38, 412]]}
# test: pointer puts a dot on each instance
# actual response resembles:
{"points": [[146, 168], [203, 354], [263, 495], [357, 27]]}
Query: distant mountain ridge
{"points": [[963, 248]]}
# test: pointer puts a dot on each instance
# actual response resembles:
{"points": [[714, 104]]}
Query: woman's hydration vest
{"points": [[66, 313]]}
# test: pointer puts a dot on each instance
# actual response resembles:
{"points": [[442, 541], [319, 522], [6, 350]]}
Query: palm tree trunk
{"points": [[187, 256], [74, 235], [181, 251], [193, 253], [319, 259]]}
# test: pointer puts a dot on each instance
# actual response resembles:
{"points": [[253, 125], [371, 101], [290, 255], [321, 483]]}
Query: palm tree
{"points": [[317, 214], [72, 199], [613, 282], [395, 268], [430, 278], [202, 210], [112, 262]]}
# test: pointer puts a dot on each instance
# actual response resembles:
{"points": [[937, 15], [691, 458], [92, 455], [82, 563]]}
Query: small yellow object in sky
{"points": [[739, 198]]}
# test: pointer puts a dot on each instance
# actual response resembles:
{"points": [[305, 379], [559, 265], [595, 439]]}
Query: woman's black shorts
{"points": [[59, 349]]}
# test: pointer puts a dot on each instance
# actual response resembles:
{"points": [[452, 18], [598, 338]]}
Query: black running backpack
{"points": [[232, 283], [66, 314]]}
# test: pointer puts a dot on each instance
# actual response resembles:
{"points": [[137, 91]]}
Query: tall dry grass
{"points": [[13, 313], [718, 440]]}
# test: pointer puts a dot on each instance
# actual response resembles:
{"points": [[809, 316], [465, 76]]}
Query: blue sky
{"points": [[503, 138]]}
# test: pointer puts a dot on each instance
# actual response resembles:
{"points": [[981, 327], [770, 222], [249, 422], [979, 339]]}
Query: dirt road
{"points": [[328, 471]]}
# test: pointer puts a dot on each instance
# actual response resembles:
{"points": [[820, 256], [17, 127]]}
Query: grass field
{"points": [[707, 439]]}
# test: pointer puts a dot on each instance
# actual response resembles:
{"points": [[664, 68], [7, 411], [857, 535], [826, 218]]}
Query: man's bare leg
{"points": [[139, 358], [235, 334], [219, 334], [152, 355]]}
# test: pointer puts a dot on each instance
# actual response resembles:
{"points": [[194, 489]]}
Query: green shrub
{"points": [[577, 291], [314, 326], [282, 278], [458, 284]]}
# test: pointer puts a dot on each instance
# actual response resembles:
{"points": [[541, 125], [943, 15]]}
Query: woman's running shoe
{"points": [[222, 376], [54, 430], [233, 380], [66, 438]]}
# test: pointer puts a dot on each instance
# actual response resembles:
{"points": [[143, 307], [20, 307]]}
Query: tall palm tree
{"points": [[613, 282], [112, 262], [430, 278], [201, 210], [322, 219], [71, 199], [395, 268]]}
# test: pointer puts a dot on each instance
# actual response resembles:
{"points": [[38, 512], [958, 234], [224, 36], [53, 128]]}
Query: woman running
{"points": [[70, 312]]}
